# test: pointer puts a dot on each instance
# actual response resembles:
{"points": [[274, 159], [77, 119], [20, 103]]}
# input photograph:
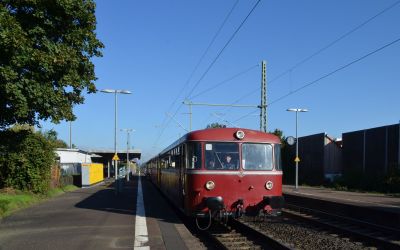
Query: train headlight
{"points": [[269, 185], [210, 185], [240, 134]]}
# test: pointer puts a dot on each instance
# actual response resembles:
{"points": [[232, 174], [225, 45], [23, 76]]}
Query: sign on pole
{"points": [[115, 158]]}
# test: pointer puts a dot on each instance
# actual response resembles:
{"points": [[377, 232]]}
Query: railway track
{"points": [[378, 236], [239, 235]]}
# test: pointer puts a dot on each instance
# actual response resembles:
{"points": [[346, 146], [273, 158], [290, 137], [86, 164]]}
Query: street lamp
{"points": [[115, 91], [297, 145]]}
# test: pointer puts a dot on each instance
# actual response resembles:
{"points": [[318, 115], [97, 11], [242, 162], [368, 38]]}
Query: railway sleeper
{"points": [[226, 235]]}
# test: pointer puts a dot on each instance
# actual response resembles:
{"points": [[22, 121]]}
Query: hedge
{"points": [[26, 158]]}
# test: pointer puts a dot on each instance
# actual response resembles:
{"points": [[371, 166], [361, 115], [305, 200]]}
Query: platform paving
{"points": [[378, 209], [366, 199], [96, 218]]}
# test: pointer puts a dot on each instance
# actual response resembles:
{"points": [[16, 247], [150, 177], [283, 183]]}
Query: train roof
{"points": [[229, 134], [225, 135]]}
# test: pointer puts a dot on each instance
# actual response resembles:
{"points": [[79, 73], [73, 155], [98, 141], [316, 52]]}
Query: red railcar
{"points": [[228, 170]]}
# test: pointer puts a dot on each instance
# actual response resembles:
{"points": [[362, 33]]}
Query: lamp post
{"points": [[297, 144], [115, 92]]}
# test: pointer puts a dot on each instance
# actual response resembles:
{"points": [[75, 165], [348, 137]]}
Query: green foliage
{"points": [[13, 202], [57, 191], [216, 125], [356, 180], [45, 49], [392, 180], [51, 136], [26, 158], [279, 133], [16, 200]]}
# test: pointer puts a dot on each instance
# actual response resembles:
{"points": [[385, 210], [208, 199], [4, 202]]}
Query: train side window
{"points": [[194, 155], [278, 159], [177, 158]]}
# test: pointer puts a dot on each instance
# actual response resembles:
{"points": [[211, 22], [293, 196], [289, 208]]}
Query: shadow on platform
{"points": [[106, 199]]}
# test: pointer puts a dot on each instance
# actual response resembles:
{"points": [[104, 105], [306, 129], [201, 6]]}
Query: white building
{"points": [[71, 160]]}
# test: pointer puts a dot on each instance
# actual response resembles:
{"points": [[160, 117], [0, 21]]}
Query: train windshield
{"points": [[222, 156], [257, 156]]}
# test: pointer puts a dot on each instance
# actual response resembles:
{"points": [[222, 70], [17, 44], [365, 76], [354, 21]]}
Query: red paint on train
{"points": [[192, 174]]}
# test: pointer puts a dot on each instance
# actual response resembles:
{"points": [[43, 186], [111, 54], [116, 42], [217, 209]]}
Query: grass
{"points": [[14, 200]]}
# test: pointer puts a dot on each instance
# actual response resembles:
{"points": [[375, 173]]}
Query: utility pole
{"points": [[70, 134], [189, 103], [128, 167], [263, 106], [190, 115]]}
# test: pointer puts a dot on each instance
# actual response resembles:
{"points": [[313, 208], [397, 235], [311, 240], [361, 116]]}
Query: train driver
{"points": [[228, 164]]}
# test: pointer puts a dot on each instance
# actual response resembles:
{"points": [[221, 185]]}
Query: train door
{"points": [[193, 161], [159, 172], [182, 177]]}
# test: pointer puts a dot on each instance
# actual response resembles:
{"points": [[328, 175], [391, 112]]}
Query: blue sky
{"points": [[152, 48]]}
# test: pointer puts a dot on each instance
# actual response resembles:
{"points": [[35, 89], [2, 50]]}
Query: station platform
{"points": [[98, 217], [382, 201], [376, 208], [165, 230]]}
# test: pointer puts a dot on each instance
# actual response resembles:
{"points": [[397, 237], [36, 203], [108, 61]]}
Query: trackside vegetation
{"points": [[46, 49], [26, 158], [13, 200]]}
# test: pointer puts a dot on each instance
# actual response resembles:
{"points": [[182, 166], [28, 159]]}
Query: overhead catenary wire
{"points": [[325, 76], [205, 52], [166, 121], [225, 81], [335, 71], [209, 67], [335, 41], [319, 51], [222, 50]]}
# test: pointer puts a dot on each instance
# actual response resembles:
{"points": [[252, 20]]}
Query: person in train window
{"points": [[228, 164], [211, 164]]}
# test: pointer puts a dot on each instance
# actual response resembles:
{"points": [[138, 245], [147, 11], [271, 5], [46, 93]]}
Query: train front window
{"points": [[194, 155], [221, 156], [257, 156]]}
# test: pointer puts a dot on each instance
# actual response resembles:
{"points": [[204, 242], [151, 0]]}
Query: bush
{"points": [[26, 158], [392, 180], [357, 180]]}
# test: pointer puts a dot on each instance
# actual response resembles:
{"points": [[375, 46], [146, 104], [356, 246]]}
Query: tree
{"points": [[279, 133], [216, 125], [52, 137], [45, 52]]}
